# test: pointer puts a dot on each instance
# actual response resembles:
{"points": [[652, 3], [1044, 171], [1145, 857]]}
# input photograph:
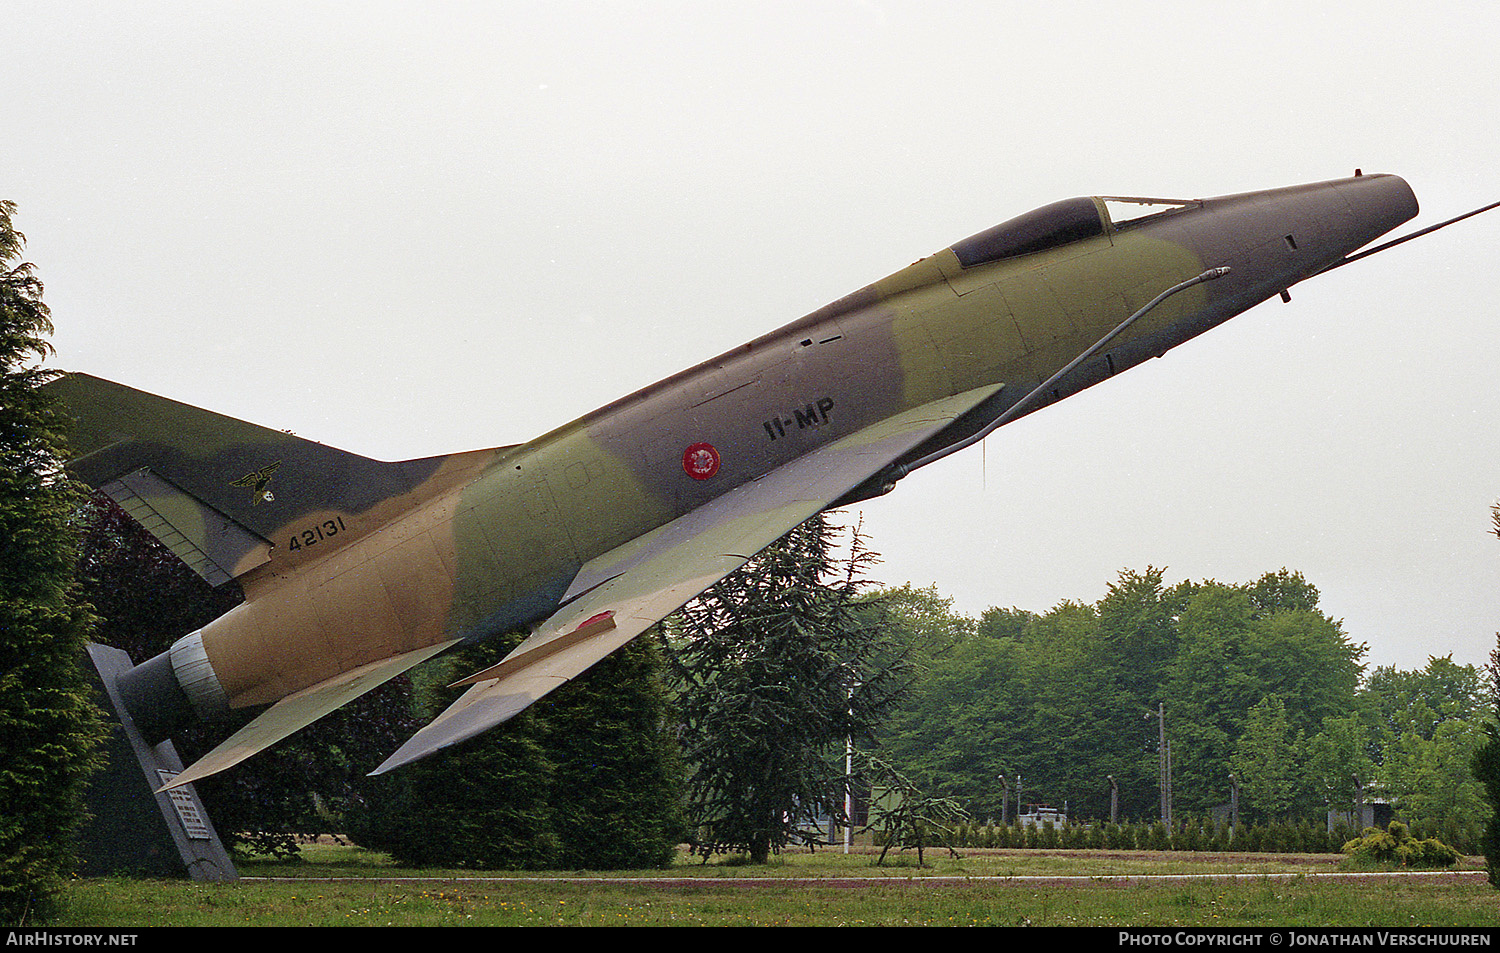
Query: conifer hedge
{"points": [[49, 726]]}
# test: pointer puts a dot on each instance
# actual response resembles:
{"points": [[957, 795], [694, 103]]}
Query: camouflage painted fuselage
{"points": [[492, 541]]}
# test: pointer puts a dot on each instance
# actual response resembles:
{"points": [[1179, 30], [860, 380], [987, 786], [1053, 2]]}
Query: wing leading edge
{"points": [[624, 592], [301, 709]]}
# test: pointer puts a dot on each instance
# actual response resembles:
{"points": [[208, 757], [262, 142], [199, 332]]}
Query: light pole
{"points": [[848, 792], [1164, 763], [1359, 806], [849, 774], [1234, 803]]}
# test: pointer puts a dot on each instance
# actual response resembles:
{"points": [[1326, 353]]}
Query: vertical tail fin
{"points": [[228, 496]]}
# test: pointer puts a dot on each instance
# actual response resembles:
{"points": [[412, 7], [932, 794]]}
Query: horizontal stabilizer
{"points": [[213, 545], [299, 710], [624, 592]]}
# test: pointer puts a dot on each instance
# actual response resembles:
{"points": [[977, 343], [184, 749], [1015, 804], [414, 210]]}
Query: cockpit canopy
{"points": [[1060, 223]]}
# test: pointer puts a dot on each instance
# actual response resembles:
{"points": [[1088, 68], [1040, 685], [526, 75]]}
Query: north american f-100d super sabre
{"points": [[355, 570]]}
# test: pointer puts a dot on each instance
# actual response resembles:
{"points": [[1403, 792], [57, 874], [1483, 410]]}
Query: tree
{"points": [[1137, 623], [1431, 778], [1400, 702], [1283, 591], [587, 779], [998, 623], [1265, 759], [1335, 761], [1486, 763], [1238, 645], [776, 667], [1209, 693], [924, 620], [49, 727], [1427, 726], [1486, 768], [480, 805], [616, 796], [1068, 699], [966, 721], [903, 815], [1083, 723]]}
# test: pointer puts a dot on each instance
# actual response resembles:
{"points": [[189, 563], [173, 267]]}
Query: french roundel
{"points": [[700, 461]]}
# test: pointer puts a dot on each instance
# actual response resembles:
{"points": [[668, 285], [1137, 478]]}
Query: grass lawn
{"points": [[333, 885]]}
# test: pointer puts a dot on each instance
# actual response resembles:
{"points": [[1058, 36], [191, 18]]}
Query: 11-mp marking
{"points": [[813, 414]]}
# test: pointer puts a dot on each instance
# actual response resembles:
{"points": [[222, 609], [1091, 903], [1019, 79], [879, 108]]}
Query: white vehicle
{"points": [[1038, 814]]}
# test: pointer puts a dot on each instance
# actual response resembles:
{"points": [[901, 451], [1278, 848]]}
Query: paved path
{"points": [[1437, 876]]}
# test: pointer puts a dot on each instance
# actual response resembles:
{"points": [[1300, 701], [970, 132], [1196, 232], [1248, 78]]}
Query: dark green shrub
{"points": [[586, 780]]}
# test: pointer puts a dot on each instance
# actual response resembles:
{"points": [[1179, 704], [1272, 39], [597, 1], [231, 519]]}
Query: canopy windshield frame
{"points": [[1128, 211]]}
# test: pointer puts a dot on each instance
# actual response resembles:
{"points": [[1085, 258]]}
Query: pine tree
{"points": [[777, 666], [49, 727]]}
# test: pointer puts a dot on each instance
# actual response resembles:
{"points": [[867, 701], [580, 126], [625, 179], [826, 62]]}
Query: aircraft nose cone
{"points": [[1273, 239], [1377, 204]]}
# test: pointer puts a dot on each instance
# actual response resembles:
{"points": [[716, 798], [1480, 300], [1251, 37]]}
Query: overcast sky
{"points": [[414, 228]]}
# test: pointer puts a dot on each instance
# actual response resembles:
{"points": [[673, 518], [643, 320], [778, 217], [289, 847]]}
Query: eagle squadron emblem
{"points": [[260, 482]]}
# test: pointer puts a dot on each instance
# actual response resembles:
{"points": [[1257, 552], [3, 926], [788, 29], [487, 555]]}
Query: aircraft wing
{"points": [[624, 592], [301, 709]]}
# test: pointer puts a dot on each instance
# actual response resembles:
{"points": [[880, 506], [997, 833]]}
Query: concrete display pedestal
{"points": [[134, 830]]}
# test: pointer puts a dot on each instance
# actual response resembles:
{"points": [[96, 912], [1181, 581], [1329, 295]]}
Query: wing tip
{"points": [[473, 713]]}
